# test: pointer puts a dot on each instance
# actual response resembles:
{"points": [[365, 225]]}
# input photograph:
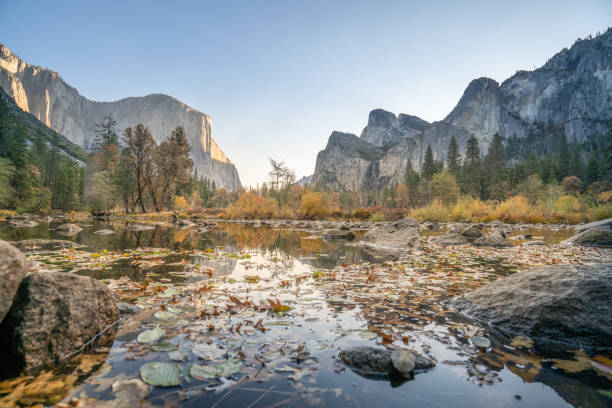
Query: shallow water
{"points": [[219, 285]]}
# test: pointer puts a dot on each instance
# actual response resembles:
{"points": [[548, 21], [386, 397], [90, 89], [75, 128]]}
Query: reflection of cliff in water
{"points": [[221, 266]]}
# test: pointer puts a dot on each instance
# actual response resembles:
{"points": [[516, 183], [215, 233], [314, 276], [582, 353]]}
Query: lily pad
{"points": [[367, 335], [149, 336], [177, 355], [161, 374], [481, 342], [164, 347], [229, 367], [203, 372], [164, 315]]}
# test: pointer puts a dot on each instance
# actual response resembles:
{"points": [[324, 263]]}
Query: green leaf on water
{"points": [[161, 374], [481, 342], [164, 347], [208, 372], [229, 367], [605, 393], [203, 372], [367, 335], [164, 315], [318, 274], [149, 336]]}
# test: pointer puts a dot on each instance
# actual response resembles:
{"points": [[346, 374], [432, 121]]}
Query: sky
{"points": [[277, 77]]}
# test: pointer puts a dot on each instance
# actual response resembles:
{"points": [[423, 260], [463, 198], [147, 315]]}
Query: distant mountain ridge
{"points": [[572, 91], [45, 95]]}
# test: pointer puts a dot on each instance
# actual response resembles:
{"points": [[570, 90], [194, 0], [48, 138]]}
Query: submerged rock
{"points": [[54, 315], [36, 245], [69, 229], [597, 237], [23, 223], [139, 227], [372, 361], [451, 238], [396, 235], [557, 303], [104, 232], [495, 239], [338, 234], [13, 268]]}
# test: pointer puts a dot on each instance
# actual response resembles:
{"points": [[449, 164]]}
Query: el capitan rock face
{"points": [[45, 95], [571, 93]]}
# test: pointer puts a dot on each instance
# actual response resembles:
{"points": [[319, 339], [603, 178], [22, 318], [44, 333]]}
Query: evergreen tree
{"points": [[494, 175], [411, 180], [576, 165], [472, 169], [429, 165], [452, 157], [592, 171], [563, 164]]}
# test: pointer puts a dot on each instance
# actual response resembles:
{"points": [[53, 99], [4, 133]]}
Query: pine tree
{"points": [[411, 180], [563, 163], [452, 157], [576, 164], [472, 169], [429, 165], [494, 175], [592, 171]]}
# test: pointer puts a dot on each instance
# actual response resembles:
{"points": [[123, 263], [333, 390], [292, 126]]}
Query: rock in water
{"points": [[13, 268], [69, 229], [53, 315], [397, 235], [338, 234], [557, 303], [370, 361], [403, 361], [597, 237], [495, 239], [36, 245]]}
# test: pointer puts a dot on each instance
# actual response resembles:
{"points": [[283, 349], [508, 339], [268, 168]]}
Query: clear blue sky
{"points": [[278, 76]]}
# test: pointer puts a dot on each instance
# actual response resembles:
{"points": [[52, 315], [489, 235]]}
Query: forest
{"points": [[129, 172]]}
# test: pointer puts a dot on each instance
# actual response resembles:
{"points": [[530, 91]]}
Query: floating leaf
{"points": [[177, 355], [602, 367], [318, 274], [203, 372], [251, 278], [605, 393], [161, 374], [522, 342], [164, 315], [170, 292], [481, 342], [367, 335], [149, 336], [336, 300], [229, 367], [164, 347]]}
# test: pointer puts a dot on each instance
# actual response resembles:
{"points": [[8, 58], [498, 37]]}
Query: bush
{"points": [[376, 217], [363, 213], [513, 210], [567, 209], [600, 212], [252, 206], [444, 187], [436, 211], [468, 209], [312, 206]]}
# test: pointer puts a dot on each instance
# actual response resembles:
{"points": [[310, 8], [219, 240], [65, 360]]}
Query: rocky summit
{"points": [[45, 95], [571, 94]]}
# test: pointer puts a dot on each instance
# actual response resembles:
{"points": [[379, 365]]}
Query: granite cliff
{"points": [[572, 93], [44, 94]]}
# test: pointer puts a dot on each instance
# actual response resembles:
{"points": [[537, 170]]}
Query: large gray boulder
{"points": [[53, 315], [13, 268], [395, 235], [557, 303], [596, 237], [496, 239], [603, 224], [69, 229]]}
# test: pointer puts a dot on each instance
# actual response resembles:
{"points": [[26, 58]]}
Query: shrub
{"points": [[436, 211], [567, 209], [572, 184], [312, 206], [377, 217], [468, 209], [180, 203], [362, 213], [252, 206], [600, 212], [513, 210]]}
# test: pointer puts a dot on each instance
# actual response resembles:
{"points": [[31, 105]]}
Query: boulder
{"points": [[104, 232], [69, 229], [596, 237], [552, 304], [23, 223], [338, 234], [603, 224], [496, 239], [396, 235], [139, 227], [54, 315], [41, 245], [452, 238], [372, 361], [13, 268], [472, 232]]}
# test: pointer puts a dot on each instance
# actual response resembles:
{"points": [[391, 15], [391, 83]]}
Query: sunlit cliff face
{"points": [[45, 95]]}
